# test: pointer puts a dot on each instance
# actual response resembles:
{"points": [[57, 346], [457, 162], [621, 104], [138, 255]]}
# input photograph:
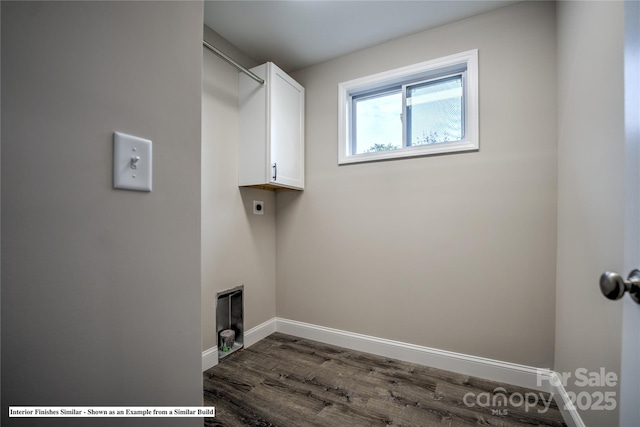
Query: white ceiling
{"points": [[296, 34]]}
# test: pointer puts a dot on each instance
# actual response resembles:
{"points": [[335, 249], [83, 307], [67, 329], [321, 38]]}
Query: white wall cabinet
{"points": [[271, 134]]}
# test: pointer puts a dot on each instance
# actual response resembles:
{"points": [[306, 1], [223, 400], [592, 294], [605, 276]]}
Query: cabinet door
{"points": [[253, 139], [287, 130]]}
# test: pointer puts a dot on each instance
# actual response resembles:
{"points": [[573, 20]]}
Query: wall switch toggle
{"points": [[132, 162]]}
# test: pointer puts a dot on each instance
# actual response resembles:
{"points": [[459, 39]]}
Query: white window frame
{"points": [[408, 75]]}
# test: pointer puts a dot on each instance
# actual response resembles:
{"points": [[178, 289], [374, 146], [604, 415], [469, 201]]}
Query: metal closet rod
{"points": [[231, 61]]}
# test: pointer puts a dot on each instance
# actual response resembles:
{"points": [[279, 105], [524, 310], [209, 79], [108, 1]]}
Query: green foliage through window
{"points": [[382, 147], [432, 138]]}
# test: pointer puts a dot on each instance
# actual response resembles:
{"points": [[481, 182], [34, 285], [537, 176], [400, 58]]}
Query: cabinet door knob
{"points": [[275, 171]]}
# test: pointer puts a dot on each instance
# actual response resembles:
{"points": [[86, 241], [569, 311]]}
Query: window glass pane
{"points": [[378, 123], [435, 111]]}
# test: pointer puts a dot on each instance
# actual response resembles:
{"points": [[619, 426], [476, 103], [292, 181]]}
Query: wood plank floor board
{"points": [[260, 406], [454, 395], [299, 379], [401, 415], [253, 357], [440, 411], [341, 415], [483, 384], [287, 381], [232, 409], [335, 392], [231, 412]]}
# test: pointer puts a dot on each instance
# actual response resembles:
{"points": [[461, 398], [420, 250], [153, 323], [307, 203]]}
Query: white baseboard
{"points": [[510, 373], [209, 358], [252, 336], [495, 370], [566, 406], [260, 332]]}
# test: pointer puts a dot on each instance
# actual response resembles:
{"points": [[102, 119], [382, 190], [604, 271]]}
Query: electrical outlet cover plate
{"points": [[132, 162], [258, 207]]}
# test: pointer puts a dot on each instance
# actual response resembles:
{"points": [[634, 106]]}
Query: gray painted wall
{"points": [[238, 247], [100, 287], [591, 190], [454, 252]]}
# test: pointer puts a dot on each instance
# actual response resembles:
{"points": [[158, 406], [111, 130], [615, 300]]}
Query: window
{"points": [[422, 109]]}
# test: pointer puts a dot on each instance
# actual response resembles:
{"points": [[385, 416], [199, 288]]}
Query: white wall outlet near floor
{"points": [[258, 207], [132, 162]]}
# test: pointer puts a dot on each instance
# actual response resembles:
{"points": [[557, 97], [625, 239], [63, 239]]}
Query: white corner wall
{"points": [[591, 191], [100, 287], [238, 247], [454, 252]]}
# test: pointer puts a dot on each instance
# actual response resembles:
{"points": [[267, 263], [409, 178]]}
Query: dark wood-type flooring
{"points": [[289, 381]]}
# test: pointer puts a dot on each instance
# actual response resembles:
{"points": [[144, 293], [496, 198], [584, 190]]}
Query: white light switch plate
{"points": [[132, 162]]}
